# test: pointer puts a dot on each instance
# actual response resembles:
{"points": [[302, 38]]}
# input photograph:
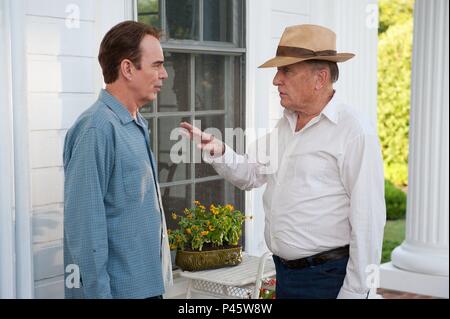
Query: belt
{"points": [[317, 259]]}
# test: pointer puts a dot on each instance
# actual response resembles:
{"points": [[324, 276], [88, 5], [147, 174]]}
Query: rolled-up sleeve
{"points": [[88, 161], [363, 178]]}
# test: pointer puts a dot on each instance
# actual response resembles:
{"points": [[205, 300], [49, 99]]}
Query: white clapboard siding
{"points": [[62, 8], [52, 288], [281, 20], [47, 186], [48, 260], [63, 80], [291, 7], [283, 14], [47, 227], [57, 111], [60, 40], [62, 74], [46, 148]]}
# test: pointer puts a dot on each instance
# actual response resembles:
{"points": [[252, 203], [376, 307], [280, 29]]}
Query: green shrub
{"points": [[394, 234], [394, 78], [395, 201]]}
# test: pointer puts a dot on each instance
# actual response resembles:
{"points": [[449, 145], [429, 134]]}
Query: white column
{"points": [[421, 263]]}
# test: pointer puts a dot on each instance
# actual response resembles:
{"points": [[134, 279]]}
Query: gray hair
{"points": [[321, 64]]}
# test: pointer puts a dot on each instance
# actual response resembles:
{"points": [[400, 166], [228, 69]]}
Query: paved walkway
{"points": [[392, 294]]}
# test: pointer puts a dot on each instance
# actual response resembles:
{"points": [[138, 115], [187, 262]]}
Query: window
{"points": [[204, 53]]}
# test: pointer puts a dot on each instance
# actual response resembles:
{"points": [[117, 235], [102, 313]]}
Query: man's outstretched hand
{"points": [[206, 142]]}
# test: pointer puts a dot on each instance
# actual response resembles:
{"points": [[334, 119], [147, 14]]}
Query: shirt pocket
{"points": [[137, 177]]}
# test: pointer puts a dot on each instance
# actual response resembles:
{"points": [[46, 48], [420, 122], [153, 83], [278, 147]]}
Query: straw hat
{"points": [[306, 42]]}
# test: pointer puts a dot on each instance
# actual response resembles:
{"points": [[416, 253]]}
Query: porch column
{"points": [[421, 263]]}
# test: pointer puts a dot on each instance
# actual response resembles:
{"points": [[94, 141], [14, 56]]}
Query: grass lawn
{"points": [[394, 234]]}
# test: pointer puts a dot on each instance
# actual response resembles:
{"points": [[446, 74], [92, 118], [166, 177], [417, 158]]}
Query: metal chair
{"points": [[238, 282]]}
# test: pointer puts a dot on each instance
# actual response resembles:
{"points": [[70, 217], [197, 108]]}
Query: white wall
{"points": [[355, 23], [63, 79]]}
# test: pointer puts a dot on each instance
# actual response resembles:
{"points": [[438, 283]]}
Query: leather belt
{"points": [[317, 259]]}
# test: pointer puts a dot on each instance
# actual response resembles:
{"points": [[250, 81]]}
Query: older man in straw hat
{"points": [[325, 209]]}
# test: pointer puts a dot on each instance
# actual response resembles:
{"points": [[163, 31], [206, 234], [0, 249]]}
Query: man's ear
{"points": [[322, 79], [126, 69]]}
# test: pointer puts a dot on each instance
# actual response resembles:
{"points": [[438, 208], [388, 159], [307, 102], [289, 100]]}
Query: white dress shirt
{"points": [[327, 191]]}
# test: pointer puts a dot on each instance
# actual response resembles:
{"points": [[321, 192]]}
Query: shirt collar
{"points": [[118, 108], [330, 111], [141, 120]]}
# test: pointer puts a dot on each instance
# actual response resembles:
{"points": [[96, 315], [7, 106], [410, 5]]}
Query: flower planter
{"points": [[209, 259]]}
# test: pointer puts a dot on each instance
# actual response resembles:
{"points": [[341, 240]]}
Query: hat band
{"points": [[302, 52]]}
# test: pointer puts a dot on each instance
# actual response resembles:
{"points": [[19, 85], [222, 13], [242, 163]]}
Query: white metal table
{"points": [[237, 282]]}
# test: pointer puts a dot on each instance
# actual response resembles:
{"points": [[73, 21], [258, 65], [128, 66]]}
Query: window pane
{"points": [[210, 192], [175, 93], [148, 108], [218, 20], [218, 122], [175, 199], [148, 12], [219, 192], [182, 19], [169, 171], [209, 82]]}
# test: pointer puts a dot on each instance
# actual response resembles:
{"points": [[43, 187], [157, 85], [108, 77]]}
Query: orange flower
{"points": [[204, 233]]}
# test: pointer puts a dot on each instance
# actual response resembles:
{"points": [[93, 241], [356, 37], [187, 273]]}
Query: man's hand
{"points": [[206, 142]]}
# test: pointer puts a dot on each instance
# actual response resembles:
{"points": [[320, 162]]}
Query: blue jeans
{"points": [[314, 282]]}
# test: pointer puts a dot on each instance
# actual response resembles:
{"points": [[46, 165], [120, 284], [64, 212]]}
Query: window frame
{"points": [[235, 49]]}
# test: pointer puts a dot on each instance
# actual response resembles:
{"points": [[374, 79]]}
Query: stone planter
{"points": [[209, 259]]}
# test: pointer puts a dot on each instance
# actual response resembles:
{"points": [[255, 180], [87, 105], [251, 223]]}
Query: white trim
{"points": [[130, 10], [256, 11], [7, 282], [22, 180], [394, 278]]}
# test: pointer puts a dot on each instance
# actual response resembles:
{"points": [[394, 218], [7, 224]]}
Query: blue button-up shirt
{"points": [[112, 219]]}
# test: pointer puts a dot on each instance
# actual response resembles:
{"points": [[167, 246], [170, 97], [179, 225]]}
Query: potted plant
{"points": [[207, 238]]}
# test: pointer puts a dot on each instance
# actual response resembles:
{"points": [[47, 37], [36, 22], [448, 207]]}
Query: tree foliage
{"points": [[394, 79]]}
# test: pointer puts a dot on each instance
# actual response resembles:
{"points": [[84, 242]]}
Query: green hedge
{"points": [[395, 201], [394, 77]]}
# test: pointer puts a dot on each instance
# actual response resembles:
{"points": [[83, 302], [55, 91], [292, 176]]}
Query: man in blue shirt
{"points": [[114, 227]]}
